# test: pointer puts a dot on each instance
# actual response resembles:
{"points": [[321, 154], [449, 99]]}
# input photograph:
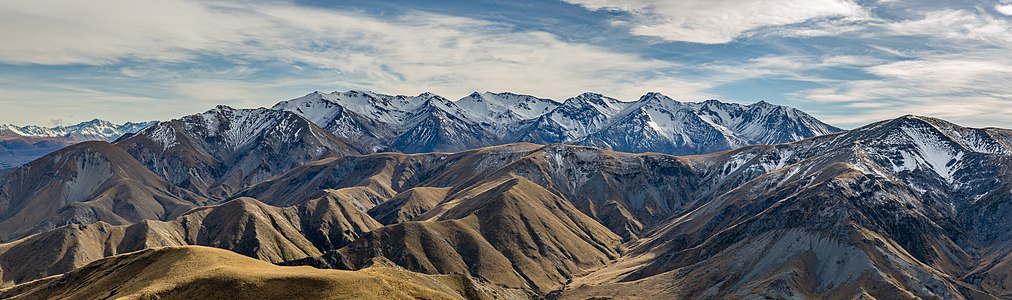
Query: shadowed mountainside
{"points": [[223, 150], [895, 209], [912, 207]]}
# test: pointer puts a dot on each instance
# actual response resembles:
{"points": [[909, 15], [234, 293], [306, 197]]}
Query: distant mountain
{"points": [[577, 117], [657, 123], [501, 112], [427, 122], [422, 123], [912, 207], [16, 150], [22, 144], [94, 130], [160, 172]]}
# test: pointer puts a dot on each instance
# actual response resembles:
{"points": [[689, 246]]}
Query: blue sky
{"points": [[847, 62]]}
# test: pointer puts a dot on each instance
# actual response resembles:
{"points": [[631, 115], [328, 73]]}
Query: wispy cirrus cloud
{"points": [[942, 59], [956, 29], [848, 61], [963, 75], [722, 21], [399, 53]]}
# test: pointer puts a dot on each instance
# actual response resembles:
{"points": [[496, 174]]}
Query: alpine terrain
{"points": [[22, 144], [654, 123], [507, 196]]}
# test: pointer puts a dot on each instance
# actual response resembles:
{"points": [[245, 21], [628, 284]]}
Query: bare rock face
{"points": [[881, 211], [224, 150]]}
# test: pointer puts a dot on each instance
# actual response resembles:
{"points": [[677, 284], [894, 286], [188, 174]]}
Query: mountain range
{"points": [[506, 196], [94, 130], [429, 122], [22, 144], [653, 123]]}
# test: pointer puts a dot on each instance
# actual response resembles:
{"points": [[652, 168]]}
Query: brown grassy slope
{"points": [[510, 232], [387, 174], [408, 205], [85, 183], [628, 193], [207, 273], [244, 225], [994, 274]]}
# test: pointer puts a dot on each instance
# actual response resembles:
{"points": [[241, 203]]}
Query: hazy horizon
{"points": [[845, 62]]}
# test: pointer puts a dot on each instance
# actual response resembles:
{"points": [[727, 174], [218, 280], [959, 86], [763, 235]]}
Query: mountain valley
{"points": [[507, 196]]}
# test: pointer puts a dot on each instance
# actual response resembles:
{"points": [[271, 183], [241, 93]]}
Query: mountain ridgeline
{"points": [[654, 123], [506, 196], [22, 144], [94, 130]]}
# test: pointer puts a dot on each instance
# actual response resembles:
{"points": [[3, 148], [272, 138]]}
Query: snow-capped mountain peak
{"points": [[698, 127], [586, 113], [94, 129], [600, 103], [488, 118], [935, 156], [654, 96], [761, 122], [506, 107], [317, 107]]}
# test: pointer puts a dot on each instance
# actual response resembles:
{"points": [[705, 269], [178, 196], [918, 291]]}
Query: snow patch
{"points": [[933, 152]]}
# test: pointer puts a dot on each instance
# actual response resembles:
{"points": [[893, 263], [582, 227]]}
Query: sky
{"points": [[847, 62]]}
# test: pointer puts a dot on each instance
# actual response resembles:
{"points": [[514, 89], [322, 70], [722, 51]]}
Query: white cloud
{"points": [[786, 67], [956, 68], [824, 27], [407, 54], [721, 21], [1005, 9], [954, 87], [955, 27], [960, 73]]}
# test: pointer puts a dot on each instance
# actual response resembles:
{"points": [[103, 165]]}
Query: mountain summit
{"points": [[225, 149], [912, 207], [22, 144], [655, 122], [94, 130]]}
